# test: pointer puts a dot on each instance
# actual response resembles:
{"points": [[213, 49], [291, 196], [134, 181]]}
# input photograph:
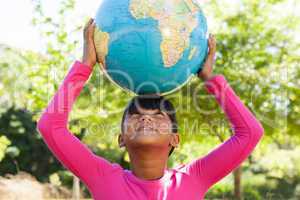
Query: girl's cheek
{"points": [[164, 127]]}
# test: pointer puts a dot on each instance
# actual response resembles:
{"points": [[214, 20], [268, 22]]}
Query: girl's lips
{"points": [[145, 128]]}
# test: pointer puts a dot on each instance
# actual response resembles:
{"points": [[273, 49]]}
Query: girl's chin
{"points": [[146, 132]]}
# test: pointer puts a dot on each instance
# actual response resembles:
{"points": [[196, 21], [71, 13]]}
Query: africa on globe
{"points": [[150, 46]]}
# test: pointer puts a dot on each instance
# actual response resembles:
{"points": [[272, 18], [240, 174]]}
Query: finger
{"points": [[210, 38], [210, 42], [91, 28], [91, 20], [214, 42], [213, 39], [93, 25], [88, 23], [92, 31]]}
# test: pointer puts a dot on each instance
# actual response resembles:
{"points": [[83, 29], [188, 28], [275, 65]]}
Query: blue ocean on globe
{"points": [[150, 46]]}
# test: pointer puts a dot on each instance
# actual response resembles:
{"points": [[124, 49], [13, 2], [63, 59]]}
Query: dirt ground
{"points": [[23, 186]]}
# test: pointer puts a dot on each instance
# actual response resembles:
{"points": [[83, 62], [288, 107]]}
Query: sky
{"points": [[16, 15], [15, 21]]}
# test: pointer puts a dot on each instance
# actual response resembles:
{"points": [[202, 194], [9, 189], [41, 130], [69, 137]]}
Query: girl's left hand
{"points": [[207, 70]]}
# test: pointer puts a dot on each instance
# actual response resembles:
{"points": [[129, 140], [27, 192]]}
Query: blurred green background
{"points": [[258, 52]]}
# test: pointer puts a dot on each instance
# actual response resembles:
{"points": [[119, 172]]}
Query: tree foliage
{"points": [[258, 53]]}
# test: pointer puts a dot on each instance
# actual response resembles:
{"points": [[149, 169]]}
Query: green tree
{"points": [[258, 54]]}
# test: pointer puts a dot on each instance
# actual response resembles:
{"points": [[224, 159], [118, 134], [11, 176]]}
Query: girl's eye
{"points": [[160, 115], [134, 116]]}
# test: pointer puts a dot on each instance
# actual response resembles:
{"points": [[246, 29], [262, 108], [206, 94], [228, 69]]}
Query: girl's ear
{"points": [[121, 140], [175, 140]]}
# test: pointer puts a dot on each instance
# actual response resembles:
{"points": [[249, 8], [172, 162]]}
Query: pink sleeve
{"points": [[52, 125], [229, 155]]}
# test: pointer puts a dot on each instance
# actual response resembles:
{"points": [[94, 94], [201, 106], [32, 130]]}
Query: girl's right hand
{"points": [[89, 51]]}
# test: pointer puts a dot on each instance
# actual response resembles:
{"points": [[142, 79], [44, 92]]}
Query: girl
{"points": [[149, 134]]}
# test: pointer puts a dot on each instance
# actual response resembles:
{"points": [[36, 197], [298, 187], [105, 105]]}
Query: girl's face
{"points": [[147, 127]]}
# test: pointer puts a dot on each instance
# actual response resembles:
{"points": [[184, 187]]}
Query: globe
{"points": [[150, 46]]}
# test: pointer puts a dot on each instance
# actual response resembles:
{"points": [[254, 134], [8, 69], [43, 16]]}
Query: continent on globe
{"points": [[176, 22]]}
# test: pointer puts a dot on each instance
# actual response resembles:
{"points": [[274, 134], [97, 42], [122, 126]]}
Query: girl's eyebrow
{"points": [[137, 111]]}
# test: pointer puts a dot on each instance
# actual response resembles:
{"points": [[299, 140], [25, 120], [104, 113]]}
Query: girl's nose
{"points": [[145, 118]]}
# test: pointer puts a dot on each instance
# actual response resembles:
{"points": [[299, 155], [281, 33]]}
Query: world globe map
{"points": [[150, 46]]}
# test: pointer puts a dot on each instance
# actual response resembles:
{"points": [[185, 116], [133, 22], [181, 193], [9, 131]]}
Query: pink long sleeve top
{"points": [[109, 181]]}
